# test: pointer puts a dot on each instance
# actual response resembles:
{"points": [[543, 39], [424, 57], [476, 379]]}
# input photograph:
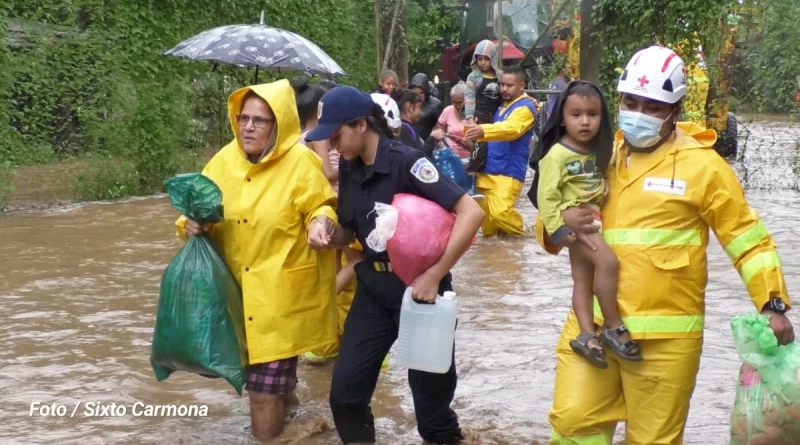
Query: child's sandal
{"points": [[626, 351], [594, 354]]}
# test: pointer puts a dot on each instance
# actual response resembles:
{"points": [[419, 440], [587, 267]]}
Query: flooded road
{"points": [[79, 290]]}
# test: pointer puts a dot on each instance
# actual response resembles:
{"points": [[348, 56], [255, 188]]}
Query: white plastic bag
{"points": [[385, 225]]}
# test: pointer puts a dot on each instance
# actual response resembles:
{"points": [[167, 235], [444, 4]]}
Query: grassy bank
{"points": [[47, 186]]}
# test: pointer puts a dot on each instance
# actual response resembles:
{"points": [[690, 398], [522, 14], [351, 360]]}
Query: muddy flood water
{"points": [[79, 291]]}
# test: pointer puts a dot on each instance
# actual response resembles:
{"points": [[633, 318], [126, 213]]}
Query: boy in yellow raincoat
{"points": [[667, 187], [274, 194]]}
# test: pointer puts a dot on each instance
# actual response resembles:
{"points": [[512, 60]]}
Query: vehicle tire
{"points": [[728, 142]]}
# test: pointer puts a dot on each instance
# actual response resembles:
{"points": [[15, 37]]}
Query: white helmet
{"points": [[656, 73], [390, 109]]}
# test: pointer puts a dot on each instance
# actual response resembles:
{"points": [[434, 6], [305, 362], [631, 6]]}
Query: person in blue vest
{"points": [[509, 139]]}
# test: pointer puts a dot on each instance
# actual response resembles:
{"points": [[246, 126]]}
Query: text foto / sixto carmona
{"points": [[100, 409]]}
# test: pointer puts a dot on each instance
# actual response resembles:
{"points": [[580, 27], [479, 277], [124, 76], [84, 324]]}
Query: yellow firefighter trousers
{"points": [[652, 396], [501, 194]]}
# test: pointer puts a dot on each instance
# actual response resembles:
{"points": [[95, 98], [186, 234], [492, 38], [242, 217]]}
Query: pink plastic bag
{"points": [[413, 231]]}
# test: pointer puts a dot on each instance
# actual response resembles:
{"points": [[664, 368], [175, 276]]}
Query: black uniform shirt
{"points": [[397, 169]]}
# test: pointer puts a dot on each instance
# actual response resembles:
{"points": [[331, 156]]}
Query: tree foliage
{"points": [[429, 28], [86, 77], [627, 26], [769, 52]]}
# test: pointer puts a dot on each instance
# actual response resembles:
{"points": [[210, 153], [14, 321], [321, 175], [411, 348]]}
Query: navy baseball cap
{"points": [[338, 106]]}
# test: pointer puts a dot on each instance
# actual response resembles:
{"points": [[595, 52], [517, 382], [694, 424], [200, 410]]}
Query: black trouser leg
{"points": [[433, 394], [369, 332]]}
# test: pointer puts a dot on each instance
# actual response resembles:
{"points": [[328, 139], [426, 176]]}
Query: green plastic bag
{"points": [[767, 406], [199, 327]]}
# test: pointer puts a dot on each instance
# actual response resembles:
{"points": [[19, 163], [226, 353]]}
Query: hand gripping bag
{"points": [[766, 410], [200, 322], [413, 231]]}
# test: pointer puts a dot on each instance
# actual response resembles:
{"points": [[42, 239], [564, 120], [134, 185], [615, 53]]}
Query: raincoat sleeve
{"points": [[742, 234], [469, 96], [518, 122], [549, 197], [314, 195], [180, 228]]}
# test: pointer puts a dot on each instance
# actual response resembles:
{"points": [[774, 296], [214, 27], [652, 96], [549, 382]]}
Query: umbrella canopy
{"points": [[258, 46]]}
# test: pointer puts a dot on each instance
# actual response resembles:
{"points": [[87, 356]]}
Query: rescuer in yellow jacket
{"points": [[508, 150], [273, 192], [667, 187]]}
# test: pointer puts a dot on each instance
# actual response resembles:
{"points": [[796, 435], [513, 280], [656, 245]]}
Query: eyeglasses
{"points": [[259, 122]]}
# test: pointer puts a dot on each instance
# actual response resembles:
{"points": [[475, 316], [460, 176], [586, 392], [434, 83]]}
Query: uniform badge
{"points": [[425, 171]]}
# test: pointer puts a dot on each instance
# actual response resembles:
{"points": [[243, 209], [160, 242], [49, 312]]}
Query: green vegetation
{"points": [[627, 26], [86, 79], [761, 68], [769, 51]]}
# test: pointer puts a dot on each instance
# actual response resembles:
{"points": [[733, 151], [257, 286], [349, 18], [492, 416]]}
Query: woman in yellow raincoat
{"points": [[667, 187], [273, 192]]}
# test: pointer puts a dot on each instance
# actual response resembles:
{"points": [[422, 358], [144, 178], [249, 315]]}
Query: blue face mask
{"points": [[640, 130]]}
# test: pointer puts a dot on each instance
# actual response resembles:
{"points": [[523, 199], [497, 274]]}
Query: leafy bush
{"points": [[772, 61], [627, 26], [87, 78]]}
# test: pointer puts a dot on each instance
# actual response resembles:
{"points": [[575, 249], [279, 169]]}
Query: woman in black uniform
{"points": [[373, 169]]}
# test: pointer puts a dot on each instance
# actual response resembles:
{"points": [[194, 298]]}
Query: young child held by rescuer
{"points": [[573, 155]]}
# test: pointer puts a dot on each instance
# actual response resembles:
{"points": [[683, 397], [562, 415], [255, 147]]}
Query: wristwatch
{"points": [[775, 305]]}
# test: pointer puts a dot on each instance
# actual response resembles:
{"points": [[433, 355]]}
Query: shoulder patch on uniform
{"points": [[425, 171]]}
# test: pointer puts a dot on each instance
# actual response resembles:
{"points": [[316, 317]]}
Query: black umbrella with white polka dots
{"points": [[258, 46]]}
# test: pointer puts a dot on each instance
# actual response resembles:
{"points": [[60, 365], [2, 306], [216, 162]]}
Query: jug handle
{"points": [[414, 300]]}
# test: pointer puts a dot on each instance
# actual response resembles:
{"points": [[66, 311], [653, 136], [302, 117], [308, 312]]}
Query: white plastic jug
{"points": [[427, 331]]}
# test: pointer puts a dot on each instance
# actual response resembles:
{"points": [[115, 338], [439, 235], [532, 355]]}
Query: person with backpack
{"points": [[667, 188], [570, 163]]}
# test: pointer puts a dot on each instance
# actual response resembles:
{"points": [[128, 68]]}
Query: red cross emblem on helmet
{"points": [[643, 81]]}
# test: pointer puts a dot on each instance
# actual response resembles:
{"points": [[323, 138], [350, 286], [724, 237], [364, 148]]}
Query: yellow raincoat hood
{"points": [[280, 97], [287, 288]]}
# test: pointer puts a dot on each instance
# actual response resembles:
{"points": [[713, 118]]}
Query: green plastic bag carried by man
{"points": [[767, 406], [199, 327]]}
